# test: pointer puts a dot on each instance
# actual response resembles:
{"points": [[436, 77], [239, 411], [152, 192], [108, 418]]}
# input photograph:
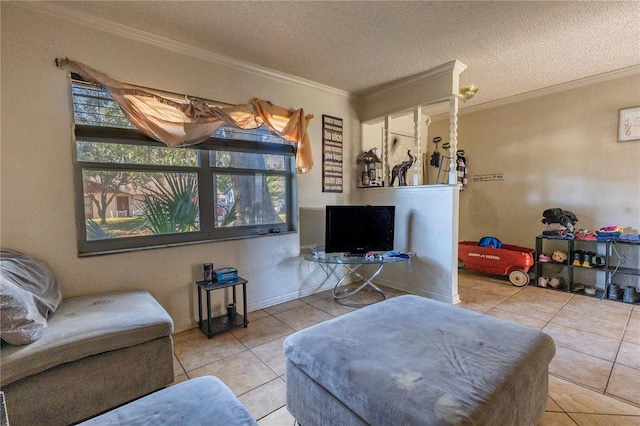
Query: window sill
{"points": [[187, 243]]}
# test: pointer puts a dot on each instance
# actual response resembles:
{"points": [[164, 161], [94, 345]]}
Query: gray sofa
{"points": [[200, 401], [93, 353], [98, 352]]}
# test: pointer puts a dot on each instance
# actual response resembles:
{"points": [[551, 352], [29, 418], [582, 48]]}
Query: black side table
{"points": [[211, 326]]}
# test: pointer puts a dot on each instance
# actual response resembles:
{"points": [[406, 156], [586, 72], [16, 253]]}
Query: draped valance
{"points": [[193, 121]]}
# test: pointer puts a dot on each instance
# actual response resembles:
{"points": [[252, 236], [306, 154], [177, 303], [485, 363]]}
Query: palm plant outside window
{"points": [[133, 192]]}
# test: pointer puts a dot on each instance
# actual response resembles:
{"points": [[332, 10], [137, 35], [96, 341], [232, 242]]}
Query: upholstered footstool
{"points": [[200, 401], [414, 361]]}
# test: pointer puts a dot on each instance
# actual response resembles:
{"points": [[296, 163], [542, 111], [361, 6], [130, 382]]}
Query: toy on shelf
{"points": [[559, 256]]}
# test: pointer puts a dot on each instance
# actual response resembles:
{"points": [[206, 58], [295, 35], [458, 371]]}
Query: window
{"points": [[133, 192]]}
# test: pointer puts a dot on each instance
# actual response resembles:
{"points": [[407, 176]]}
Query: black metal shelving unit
{"points": [[211, 326], [607, 249]]}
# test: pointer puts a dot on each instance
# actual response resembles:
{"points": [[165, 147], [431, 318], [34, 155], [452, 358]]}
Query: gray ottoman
{"points": [[200, 401], [414, 361]]}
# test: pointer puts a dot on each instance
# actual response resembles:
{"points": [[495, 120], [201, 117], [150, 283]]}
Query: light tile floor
{"points": [[594, 378]]}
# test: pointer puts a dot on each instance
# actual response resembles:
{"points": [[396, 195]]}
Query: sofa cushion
{"points": [[29, 293], [88, 325], [200, 401], [410, 360]]}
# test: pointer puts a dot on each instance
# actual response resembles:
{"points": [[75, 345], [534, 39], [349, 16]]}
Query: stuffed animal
{"points": [[559, 256]]}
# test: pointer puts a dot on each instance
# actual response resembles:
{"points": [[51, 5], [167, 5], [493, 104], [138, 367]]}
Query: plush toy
{"points": [[559, 256]]}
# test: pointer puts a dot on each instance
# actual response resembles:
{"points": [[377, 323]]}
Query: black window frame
{"points": [[205, 172]]}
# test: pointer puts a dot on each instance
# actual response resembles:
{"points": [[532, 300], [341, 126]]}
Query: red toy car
{"points": [[510, 260]]}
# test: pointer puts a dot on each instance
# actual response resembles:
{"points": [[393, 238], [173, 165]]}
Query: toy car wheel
{"points": [[519, 278]]}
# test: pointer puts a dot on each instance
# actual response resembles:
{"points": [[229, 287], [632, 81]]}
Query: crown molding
{"points": [[575, 84], [452, 67], [52, 9], [426, 88]]}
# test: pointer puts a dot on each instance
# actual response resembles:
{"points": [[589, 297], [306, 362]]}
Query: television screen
{"points": [[359, 229]]}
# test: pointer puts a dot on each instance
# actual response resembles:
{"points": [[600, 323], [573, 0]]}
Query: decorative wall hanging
{"points": [[331, 154], [629, 124], [489, 177]]}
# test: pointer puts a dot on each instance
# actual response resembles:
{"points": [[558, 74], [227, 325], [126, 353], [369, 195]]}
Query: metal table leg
{"points": [[340, 295]]}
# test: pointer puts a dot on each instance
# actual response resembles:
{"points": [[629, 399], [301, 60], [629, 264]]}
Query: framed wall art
{"points": [[331, 154], [629, 124]]}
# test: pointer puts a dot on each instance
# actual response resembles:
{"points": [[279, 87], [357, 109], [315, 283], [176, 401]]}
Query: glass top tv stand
{"points": [[351, 263]]}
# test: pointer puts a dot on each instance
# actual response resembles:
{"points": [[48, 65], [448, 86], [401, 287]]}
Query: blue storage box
{"points": [[225, 274]]}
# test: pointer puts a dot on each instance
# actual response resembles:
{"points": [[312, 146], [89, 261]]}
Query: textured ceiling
{"points": [[510, 48]]}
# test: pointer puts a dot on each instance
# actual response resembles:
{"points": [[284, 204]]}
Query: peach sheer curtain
{"points": [[179, 124]]}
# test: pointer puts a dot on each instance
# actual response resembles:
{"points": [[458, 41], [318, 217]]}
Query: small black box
{"points": [[208, 272]]}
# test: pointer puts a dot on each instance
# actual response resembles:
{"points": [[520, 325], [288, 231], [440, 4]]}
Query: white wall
{"points": [[427, 226], [430, 213], [37, 209], [558, 150]]}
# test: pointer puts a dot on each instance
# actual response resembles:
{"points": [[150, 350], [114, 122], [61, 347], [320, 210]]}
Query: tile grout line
{"points": [[567, 379], [572, 296], [572, 419], [615, 358]]}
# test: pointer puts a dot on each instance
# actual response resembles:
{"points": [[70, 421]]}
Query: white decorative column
{"points": [[425, 169], [417, 163], [439, 84], [453, 139], [387, 136]]}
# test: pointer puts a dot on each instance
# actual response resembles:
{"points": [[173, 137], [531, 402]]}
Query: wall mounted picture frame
{"points": [[332, 154], [629, 124]]}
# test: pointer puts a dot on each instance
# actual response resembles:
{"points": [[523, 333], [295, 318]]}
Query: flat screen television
{"points": [[359, 229]]}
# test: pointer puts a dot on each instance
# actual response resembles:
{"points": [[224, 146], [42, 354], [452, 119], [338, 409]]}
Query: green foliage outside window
{"points": [[170, 203]]}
